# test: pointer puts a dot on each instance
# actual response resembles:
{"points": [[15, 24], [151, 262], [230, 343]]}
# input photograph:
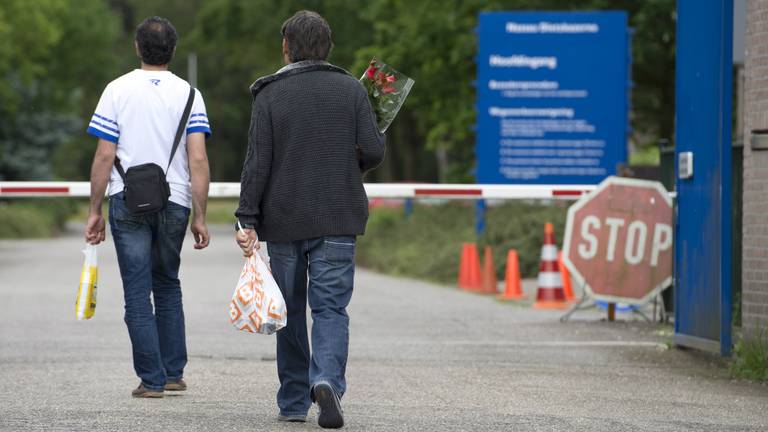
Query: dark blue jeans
{"points": [[148, 249], [322, 271]]}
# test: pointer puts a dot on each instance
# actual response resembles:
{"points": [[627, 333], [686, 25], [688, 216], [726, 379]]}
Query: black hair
{"points": [[308, 36], [156, 38]]}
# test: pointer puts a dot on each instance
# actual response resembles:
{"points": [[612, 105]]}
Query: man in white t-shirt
{"points": [[136, 121]]}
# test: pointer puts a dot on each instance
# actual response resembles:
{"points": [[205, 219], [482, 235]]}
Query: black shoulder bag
{"points": [[146, 186]]}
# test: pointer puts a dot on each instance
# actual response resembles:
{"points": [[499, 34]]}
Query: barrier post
{"points": [[480, 211], [408, 207]]}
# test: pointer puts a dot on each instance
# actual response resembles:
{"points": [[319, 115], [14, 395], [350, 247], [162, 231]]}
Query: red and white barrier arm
{"points": [[475, 191], [374, 190], [44, 189]]}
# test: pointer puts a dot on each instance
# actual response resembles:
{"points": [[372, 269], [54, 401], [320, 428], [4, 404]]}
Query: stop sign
{"points": [[618, 240]]}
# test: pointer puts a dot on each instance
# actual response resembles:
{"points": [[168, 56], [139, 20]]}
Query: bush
{"points": [[428, 244], [750, 358], [34, 218], [520, 226]]}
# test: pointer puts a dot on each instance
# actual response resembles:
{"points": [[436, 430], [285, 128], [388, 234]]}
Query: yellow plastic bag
{"points": [[257, 304], [85, 305]]}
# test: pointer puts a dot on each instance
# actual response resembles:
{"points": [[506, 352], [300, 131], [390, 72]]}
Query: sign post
{"points": [[618, 241], [552, 96]]}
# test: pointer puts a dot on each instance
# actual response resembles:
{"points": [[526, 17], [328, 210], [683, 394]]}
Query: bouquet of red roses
{"points": [[387, 90]]}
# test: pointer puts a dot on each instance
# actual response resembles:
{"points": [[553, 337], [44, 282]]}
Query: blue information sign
{"points": [[552, 96]]}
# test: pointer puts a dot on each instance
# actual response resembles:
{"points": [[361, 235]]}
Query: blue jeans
{"points": [[148, 252], [322, 271]]}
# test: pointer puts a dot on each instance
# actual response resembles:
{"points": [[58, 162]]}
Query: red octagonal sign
{"points": [[618, 240]]}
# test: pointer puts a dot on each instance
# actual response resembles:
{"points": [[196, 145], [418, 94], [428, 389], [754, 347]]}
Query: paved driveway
{"points": [[423, 357]]}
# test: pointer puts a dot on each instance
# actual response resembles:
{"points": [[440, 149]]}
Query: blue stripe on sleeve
{"points": [[199, 115], [101, 134], [199, 122], [102, 125], [105, 119], [197, 129]]}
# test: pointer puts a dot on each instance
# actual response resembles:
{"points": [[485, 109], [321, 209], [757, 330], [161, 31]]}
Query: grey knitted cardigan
{"points": [[313, 134]]}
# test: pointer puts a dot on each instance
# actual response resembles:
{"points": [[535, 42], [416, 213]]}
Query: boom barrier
{"points": [[35, 189]]}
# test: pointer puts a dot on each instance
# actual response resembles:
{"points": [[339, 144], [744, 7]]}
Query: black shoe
{"points": [[330, 416]]}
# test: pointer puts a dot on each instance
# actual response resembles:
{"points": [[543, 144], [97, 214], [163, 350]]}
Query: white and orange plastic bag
{"points": [[257, 304], [85, 304]]}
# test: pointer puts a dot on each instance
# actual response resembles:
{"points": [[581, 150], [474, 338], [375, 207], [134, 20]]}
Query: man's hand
{"points": [[200, 232], [247, 240], [95, 229]]}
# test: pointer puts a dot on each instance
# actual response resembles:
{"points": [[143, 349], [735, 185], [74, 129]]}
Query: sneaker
{"points": [[179, 385], [294, 418], [330, 416], [143, 392]]}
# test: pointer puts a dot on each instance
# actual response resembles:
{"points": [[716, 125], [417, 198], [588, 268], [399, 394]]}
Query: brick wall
{"points": [[755, 228]]}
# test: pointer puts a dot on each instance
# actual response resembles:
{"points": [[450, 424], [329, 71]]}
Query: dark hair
{"points": [[308, 36], [156, 39]]}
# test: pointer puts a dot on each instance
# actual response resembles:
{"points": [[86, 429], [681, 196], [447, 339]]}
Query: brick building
{"points": [[755, 208]]}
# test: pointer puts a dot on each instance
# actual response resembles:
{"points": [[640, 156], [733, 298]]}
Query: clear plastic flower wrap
{"points": [[387, 91]]}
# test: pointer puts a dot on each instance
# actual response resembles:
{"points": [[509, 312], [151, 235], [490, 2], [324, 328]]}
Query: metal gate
{"points": [[703, 148]]}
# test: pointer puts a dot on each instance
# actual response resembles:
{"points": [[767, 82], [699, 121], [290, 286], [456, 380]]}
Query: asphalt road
{"points": [[423, 357]]}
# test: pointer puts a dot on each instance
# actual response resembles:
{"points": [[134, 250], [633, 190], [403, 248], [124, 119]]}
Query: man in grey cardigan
{"points": [[313, 135]]}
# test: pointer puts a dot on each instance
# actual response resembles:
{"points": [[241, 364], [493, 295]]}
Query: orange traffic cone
{"points": [[463, 266], [489, 281], [512, 288], [566, 276], [550, 294], [469, 268], [474, 281]]}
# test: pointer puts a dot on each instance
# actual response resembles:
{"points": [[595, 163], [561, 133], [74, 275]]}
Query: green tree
{"points": [[56, 56], [51, 54], [237, 41], [434, 42]]}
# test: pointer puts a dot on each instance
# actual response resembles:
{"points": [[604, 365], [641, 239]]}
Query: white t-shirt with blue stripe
{"points": [[140, 112]]}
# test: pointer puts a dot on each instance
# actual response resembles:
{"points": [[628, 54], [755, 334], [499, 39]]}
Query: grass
{"points": [[427, 244], [221, 211], [35, 218], [750, 358]]}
